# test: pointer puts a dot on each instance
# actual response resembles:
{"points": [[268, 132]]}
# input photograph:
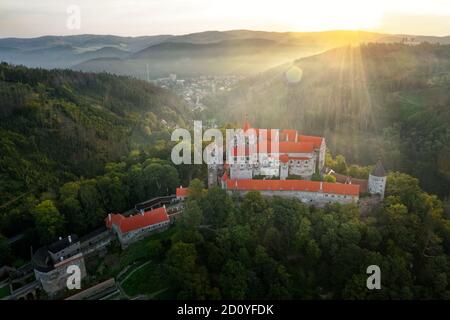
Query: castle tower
{"points": [[213, 174], [377, 180]]}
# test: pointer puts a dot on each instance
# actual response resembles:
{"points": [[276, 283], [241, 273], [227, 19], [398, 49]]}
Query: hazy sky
{"points": [[140, 17]]}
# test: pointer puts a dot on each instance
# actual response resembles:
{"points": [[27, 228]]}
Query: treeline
{"points": [[339, 165], [260, 248]]}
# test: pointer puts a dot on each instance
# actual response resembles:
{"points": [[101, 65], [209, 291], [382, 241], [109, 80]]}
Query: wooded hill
{"points": [[60, 125]]}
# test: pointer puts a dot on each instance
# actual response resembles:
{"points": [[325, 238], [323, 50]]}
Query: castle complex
{"points": [[276, 153]]}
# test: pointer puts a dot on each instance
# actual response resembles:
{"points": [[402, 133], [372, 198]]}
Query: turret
{"points": [[377, 180]]}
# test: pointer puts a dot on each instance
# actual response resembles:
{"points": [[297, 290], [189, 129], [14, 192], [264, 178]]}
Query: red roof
{"points": [[283, 147], [182, 192], [294, 185], [296, 147], [138, 221], [316, 141], [340, 188], [288, 135], [113, 218]]}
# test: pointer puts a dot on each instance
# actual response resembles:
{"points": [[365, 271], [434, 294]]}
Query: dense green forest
{"points": [[59, 126], [388, 101], [274, 248]]}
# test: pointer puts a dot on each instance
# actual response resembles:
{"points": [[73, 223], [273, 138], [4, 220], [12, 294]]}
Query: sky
{"points": [[20, 18]]}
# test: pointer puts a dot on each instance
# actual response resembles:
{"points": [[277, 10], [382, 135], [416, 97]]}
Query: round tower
{"points": [[377, 180]]}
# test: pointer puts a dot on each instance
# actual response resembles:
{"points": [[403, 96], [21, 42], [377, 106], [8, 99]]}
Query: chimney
{"points": [[141, 211], [70, 239], [109, 216], [296, 136]]}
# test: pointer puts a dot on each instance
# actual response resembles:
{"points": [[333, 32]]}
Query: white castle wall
{"points": [[319, 198], [377, 185]]}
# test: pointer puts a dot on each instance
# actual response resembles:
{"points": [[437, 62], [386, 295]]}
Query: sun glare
{"points": [[334, 15]]}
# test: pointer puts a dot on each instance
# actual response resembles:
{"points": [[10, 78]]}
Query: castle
{"points": [[276, 153], [282, 163]]}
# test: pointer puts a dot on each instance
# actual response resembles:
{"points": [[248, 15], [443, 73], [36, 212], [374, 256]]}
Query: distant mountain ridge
{"points": [[188, 55]]}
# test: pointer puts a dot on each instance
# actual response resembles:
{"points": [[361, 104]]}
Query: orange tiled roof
{"points": [[113, 218], [246, 126], [288, 135], [284, 158], [182, 192], [138, 221], [296, 147], [316, 141], [293, 185], [283, 147]]}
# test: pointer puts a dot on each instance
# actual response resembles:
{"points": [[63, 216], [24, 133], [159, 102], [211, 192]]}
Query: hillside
{"points": [[59, 125], [388, 101], [66, 51]]}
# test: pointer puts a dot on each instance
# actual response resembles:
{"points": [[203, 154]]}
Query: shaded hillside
{"points": [[66, 51], [235, 57], [389, 101], [60, 124]]}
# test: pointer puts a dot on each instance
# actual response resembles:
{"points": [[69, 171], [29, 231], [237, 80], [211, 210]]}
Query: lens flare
{"points": [[293, 75]]}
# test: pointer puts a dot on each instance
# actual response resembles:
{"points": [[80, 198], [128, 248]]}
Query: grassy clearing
{"points": [[4, 291], [147, 280]]}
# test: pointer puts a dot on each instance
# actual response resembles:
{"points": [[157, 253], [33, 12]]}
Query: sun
{"points": [[331, 15]]}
